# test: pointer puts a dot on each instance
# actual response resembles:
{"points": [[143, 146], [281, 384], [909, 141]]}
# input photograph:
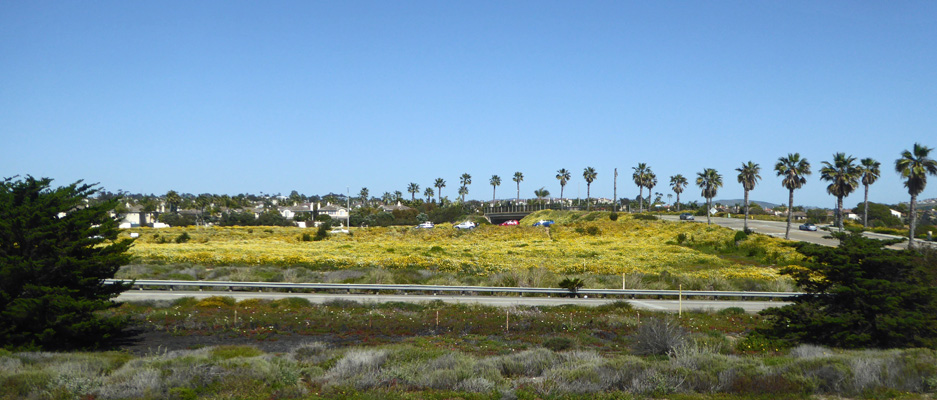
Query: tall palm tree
{"points": [[589, 175], [439, 184], [563, 176], [748, 177], [650, 180], [465, 180], [870, 170], [677, 183], [709, 180], [429, 194], [843, 176], [794, 170], [413, 188], [639, 175], [518, 177], [914, 166], [495, 181]]}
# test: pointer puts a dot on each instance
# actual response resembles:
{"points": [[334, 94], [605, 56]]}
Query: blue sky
{"points": [[249, 97]]}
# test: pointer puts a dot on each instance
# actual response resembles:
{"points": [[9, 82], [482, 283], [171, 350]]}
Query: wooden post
{"points": [[437, 321], [680, 296], [507, 321]]}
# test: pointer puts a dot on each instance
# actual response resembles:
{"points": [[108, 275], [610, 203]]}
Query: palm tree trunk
{"points": [[911, 221], [561, 192], [839, 212], [494, 189], [745, 225], [640, 198], [865, 209], [790, 214], [678, 201], [588, 203], [518, 192], [709, 206]]}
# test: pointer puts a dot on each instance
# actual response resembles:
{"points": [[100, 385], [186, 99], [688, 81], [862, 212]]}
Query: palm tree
{"points": [[429, 194], [748, 177], [364, 196], [413, 188], [439, 184], [495, 181], [870, 170], [677, 183], [640, 173], [518, 177], [589, 175], [465, 180], [709, 180], [563, 176], [541, 193], [843, 176], [794, 170], [173, 199], [914, 166], [650, 180]]}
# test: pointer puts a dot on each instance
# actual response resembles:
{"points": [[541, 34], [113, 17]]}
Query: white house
{"points": [[336, 212]]}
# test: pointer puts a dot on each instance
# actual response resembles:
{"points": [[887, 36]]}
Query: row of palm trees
{"points": [[843, 173]]}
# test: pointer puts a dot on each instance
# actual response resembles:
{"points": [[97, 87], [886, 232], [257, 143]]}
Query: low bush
{"points": [[659, 336]]}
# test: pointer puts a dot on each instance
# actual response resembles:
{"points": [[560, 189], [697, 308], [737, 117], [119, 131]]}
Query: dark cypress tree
{"points": [[860, 294], [56, 248]]}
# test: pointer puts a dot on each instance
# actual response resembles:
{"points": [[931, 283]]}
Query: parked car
{"points": [[544, 222], [512, 222], [687, 217], [465, 225], [426, 225], [808, 227]]}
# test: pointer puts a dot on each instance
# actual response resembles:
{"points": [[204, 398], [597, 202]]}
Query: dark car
{"points": [[544, 222], [687, 217], [808, 227]]}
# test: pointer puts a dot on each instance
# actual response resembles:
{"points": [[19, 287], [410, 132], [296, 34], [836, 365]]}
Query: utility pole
{"points": [[615, 192]]}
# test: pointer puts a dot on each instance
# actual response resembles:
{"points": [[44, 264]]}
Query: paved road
{"points": [[776, 229], [498, 301]]}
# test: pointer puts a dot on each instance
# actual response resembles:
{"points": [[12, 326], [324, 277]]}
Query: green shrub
{"points": [[681, 238], [184, 237], [646, 217], [305, 237], [739, 236], [613, 216]]}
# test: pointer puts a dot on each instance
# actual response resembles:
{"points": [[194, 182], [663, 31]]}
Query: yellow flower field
{"points": [[626, 246]]}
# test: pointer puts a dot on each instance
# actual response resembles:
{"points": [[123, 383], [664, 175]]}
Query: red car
{"points": [[510, 223]]}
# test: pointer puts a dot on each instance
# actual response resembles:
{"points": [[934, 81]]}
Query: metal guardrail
{"points": [[230, 285]]}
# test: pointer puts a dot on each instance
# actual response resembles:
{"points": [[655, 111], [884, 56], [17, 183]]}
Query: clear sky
{"points": [[249, 97]]}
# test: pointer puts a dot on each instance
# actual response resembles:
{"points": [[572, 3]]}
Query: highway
{"points": [[497, 301], [776, 229]]}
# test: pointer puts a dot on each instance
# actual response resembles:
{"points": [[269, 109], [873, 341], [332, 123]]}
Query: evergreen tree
{"points": [[56, 250], [860, 294]]}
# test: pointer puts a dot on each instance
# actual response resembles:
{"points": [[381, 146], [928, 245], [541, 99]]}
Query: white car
{"points": [[426, 225], [466, 225]]}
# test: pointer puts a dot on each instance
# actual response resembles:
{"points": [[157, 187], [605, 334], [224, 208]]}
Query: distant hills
{"points": [[732, 202]]}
